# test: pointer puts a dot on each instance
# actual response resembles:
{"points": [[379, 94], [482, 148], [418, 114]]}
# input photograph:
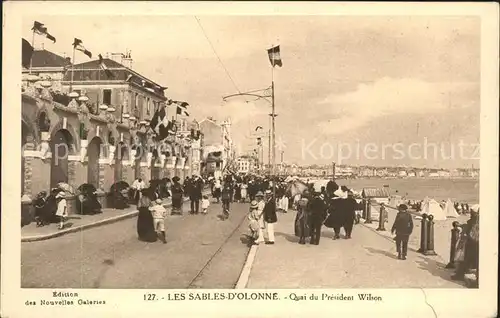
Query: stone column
{"points": [[28, 154]]}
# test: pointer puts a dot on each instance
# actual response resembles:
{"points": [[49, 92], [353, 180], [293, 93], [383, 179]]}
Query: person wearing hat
{"points": [[145, 225], [349, 206], [195, 189], [270, 215], [62, 209], [39, 203], [261, 204], [403, 226], [253, 218], [470, 233], [226, 199], [177, 193], [302, 218], [159, 213]]}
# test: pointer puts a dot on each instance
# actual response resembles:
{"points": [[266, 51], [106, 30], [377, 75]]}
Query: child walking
{"points": [[205, 203], [159, 213], [62, 209]]}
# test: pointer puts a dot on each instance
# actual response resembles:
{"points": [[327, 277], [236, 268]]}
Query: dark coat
{"points": [[350, 206], [318, 208], [145, 225], [270, 212], [195, 190], [403, 224], [335, 217]]}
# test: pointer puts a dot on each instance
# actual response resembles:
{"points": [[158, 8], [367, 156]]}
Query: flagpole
{"points": [[33, 46], [274, 132], [72, 71], [98, 90]]}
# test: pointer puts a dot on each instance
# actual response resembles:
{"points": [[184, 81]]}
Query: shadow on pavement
{"points": [[381, 252], [436, 268], [288, 237], [245, 239], [67, 225]]}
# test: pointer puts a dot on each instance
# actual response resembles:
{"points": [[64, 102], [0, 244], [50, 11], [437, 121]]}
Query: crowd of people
{"points": [[53, 208], [332, 206]]}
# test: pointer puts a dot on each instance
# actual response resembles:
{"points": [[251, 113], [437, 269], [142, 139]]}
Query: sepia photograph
{"points": [[252, 152]]}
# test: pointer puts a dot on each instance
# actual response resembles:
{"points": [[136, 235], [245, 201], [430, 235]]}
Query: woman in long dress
{"points": [[237, 192], [302, 229], [145, 225], [243, 192]]}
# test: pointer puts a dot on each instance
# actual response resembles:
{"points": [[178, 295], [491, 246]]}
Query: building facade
{"points": [[95, 131], [218, 150]]}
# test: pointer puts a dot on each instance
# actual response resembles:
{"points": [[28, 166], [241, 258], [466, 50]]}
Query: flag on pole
{"points": [[104, 67], [77, 44], [274, 56], [182, 111], [181, 107], [27, 53], [160, 124], [41, 29]]}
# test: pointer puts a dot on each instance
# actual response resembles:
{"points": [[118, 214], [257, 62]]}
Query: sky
{"points": [[402, 85]]}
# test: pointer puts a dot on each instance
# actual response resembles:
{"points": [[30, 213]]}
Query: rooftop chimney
{"points": [[127, 59]]}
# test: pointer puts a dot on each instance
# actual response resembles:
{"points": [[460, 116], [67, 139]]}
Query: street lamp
{"points": [[265, 95]]}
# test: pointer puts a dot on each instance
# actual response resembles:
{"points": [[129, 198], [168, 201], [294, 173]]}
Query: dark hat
{"points": [[402, 207], [175, 179]]}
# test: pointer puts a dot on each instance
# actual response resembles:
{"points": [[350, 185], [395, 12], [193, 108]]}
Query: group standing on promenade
{"points": [[333, 206]]}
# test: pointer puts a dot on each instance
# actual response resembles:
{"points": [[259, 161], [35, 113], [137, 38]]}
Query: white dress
{"points": [[61, 208]]}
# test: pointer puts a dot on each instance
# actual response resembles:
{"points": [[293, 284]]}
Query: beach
{"points": [[461, 190]]}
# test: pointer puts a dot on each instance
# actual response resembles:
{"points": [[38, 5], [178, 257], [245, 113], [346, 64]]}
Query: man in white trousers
{"points": [[260, 212], [270, 216]]}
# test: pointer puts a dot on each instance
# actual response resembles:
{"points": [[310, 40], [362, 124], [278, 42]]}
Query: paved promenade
{"points": [[77, 222], [111, 256], [368, 260], [442, 233]]}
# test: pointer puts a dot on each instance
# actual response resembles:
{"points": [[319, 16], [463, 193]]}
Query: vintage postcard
{"points": [[253, 159]]}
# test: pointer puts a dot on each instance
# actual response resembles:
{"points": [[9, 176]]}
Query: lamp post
{"points": [[265, 95]]}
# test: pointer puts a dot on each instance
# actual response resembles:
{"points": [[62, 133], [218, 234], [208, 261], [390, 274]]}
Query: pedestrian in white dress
{"points": [[205, 203], [259, 215], [62, 209]]}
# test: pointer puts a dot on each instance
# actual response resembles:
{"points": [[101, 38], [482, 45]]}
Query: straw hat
{"points": [[159, 201], [259, 194], [253, 204]]}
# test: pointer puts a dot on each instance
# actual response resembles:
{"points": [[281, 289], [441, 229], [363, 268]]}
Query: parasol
{"points": [[66, 188], [296, 187], [87, 188]]}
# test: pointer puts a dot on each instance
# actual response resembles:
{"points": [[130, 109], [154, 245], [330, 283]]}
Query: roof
{"points": [[375, 193], [92, 71], [44, 58]]}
